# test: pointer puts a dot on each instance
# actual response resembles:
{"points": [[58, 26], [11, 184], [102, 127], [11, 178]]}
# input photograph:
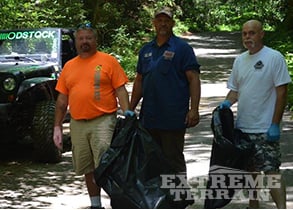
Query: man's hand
{"points": [[192, 118], [273, 133], [58, 137], [225, 104]]}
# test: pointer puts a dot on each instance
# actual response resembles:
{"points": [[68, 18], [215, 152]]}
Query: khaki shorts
{"points": [[267, 156], [90, 139]]}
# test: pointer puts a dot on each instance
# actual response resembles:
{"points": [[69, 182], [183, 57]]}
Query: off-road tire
{"points": [[42, 133]]}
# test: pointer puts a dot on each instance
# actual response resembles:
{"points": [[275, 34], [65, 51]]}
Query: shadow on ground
{"points": [[25, 184], [215, 52]]}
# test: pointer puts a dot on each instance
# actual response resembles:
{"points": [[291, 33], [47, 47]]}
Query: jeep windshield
{"points": [[29, 45]]}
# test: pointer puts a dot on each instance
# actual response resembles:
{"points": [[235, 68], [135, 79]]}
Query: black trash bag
{"points": [[230, 153], [129, 171]]}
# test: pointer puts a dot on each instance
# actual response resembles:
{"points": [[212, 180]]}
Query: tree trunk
{"points": [[287, 24]]}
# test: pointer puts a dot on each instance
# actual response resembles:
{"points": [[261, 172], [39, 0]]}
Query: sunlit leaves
{"points": [[40, 13]]}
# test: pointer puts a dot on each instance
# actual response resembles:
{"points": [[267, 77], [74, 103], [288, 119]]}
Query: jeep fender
{"points": [[38, 89]]}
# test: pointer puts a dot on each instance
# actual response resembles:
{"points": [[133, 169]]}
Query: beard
{"points": [[249, 44], [85, 48]]}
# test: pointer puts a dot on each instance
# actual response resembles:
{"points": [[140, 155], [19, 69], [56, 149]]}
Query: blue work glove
{"points": [[225, 104], [129, 113], [273, 133]]}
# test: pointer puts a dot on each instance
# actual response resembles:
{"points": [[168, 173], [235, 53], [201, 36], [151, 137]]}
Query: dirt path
{"points": [[25, 184]]}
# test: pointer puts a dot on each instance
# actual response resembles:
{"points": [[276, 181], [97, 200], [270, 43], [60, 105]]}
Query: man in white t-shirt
{"points": [[258, 83]]}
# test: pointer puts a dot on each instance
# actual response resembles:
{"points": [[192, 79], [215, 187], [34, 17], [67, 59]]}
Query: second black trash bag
{"points": [[230, 153], [130, 170]]}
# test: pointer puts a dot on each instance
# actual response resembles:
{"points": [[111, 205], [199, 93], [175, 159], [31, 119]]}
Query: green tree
{"points": [[40, 13], [287, 23]]}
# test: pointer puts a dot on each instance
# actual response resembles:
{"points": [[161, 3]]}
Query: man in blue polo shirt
{"points": [[168, 81]]}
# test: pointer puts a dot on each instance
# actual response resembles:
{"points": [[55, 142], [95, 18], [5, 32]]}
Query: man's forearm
{"points": [[232, 96], [123, 98], [61, 109], [136, 92], [280, 105], [195, 92]]}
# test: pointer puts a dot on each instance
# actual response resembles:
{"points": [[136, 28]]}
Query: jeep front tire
{"points": [[42, 133]]}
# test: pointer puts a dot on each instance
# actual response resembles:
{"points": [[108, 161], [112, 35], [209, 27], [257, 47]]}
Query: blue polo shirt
{"points": [[164, 84]]}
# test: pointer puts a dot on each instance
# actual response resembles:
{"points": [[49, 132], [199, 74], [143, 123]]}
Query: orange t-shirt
{"points": [[90, 84]]}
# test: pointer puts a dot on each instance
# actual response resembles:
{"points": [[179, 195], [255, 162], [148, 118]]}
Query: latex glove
{"points": [[129, 113], [273, 133], [225, 104], [57, 137]]}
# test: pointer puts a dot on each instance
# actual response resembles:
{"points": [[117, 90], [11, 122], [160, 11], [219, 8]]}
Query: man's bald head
{"points": [[254, 24], [252, 35]]}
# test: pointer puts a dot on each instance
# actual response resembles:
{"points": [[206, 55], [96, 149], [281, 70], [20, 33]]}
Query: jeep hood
{"points": [[27, 71], [22, 67]]}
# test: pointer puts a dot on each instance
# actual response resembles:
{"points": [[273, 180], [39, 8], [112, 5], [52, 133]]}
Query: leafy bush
{"points": [[125, 48], [284, 43]]}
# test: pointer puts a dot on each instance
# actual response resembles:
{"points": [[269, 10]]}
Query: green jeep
{"points": [[30, 63]]}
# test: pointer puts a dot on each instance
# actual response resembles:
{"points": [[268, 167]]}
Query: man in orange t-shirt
{"points": [[90, 84]]}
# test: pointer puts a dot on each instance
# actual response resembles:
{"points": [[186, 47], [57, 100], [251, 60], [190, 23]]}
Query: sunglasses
{"points": [[85, 26]]}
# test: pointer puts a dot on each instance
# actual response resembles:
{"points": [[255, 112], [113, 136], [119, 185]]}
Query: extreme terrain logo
{"points": [[222, 183]]}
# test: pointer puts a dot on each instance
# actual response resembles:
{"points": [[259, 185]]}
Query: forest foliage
{"points": [[124, 26]]}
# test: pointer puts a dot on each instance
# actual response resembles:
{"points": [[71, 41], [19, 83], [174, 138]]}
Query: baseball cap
{"points": [[165, 10]]}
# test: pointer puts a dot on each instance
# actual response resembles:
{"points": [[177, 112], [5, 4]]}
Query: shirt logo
{"points": [[98, 68], [147, 55], [258, 65], [168, 55]]}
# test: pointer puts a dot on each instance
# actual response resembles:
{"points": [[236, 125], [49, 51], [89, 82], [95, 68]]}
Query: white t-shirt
{"points": [[255, 77]]}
